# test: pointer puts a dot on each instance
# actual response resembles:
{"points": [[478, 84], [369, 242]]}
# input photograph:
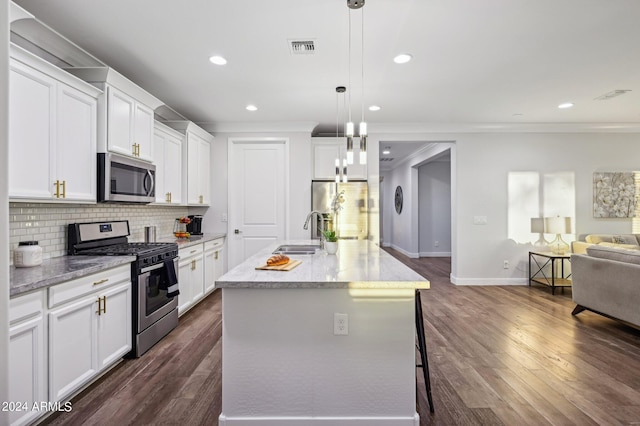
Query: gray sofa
{"points": [[606, 280]]}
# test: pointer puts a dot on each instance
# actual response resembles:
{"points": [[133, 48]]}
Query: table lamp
{"points": [[537, 227], [558, 225]]}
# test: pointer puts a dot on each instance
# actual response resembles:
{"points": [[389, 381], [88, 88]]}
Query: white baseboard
{"points": [[435, 254], [406, 253], [488, 281], [321, 421]]}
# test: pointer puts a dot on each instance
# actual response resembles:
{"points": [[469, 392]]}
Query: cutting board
{"points": [[286, 267]]}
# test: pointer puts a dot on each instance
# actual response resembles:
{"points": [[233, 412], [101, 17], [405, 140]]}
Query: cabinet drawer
{"points": [[213, 244], [188, 252], [27, 306], [79, 287]]}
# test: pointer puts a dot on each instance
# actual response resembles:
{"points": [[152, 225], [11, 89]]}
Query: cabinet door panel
{"points": [[209, 270], [114, 325], [143, 130], [27, 369], [193, 189], [204, 170], [197, 284], [31, 132], [76, 144], [120, 122], [159, 139], [185, 278], [173, 169], [73, 347]]}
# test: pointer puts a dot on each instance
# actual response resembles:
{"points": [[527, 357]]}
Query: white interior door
{"points": [[257, 196]]}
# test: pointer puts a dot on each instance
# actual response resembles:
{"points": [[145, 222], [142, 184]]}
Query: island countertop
{"points": [[358, 264]]}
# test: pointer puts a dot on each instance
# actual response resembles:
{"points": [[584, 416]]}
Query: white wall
{"points": [[4, 208], [434, 209], [480, 166]]}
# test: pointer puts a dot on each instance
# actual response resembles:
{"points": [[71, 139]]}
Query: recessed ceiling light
{"points": [[403, 58], [387, 150], [565, 105], [218, 60], [374, 108], [252, 108]]}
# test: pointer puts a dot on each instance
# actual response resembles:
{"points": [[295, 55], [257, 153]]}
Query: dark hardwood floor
{"points": [[509, 355]]}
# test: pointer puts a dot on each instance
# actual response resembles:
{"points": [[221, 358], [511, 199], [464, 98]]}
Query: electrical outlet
{"points": [[436, 243], [224, 217], [340, 324], [505, 265]]}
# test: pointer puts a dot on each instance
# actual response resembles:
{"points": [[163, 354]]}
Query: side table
{"points": [[538, 262]]}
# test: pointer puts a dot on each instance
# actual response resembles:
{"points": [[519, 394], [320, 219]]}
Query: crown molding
{"points": [[409, 128], [259, 127]]}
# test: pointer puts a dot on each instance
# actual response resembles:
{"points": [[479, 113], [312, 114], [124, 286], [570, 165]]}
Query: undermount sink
{"points": [[296, 249]]}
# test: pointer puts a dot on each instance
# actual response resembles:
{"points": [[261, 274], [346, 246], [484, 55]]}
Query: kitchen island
{"points": [[288, 359]]}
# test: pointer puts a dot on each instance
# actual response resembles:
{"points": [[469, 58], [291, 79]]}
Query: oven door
{"points": [[153, 303]]}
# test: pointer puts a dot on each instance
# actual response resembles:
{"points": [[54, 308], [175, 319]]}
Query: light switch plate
{"points": [[479, 220]]}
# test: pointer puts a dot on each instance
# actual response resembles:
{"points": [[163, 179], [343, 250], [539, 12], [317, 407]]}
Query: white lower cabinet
{"points": [[27, 357], [114, 325], [213, 263], [190, 277], [73, 346], [89, 328]]}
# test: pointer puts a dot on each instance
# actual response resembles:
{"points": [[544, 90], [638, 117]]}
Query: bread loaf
{"points": [[277, 259]]}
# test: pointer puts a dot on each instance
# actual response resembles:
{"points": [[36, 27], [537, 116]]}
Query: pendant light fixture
{"points": [[363, 124], [339, 89], [349, 127]]}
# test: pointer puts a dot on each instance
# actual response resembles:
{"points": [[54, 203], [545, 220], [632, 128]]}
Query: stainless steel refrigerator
{"points": [[352, 202]]}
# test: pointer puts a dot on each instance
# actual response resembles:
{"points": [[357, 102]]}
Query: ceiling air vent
{"points": [[611, 94], [302, 47], [386, 159]]}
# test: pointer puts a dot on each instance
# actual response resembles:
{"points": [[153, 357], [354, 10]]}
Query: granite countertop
{"points": [[358, 264], [193, 240], [60, 269]]}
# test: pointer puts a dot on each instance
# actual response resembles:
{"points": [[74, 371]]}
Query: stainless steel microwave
{"points": [[125, 180]]}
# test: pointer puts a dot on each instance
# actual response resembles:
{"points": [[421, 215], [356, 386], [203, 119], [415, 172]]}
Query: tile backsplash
{"points": [[47, 223]]}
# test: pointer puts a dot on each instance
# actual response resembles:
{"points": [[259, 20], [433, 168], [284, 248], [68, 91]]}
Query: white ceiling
{"points": [[475, 62]]}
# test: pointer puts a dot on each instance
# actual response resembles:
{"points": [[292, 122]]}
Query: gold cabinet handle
{"points": [[64, 189], [201, 199], [193, 265], [104, 304], [193, 251], [57, 184], [168, 199], [99, 306], [101, 281], [216, 256]]}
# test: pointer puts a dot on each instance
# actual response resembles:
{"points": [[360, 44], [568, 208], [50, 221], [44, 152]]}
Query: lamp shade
{"points": [[557, 225], [537, 225]]}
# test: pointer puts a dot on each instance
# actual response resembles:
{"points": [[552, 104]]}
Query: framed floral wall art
{"points": [[615, 194]]}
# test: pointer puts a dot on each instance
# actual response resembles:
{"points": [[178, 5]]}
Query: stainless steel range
{"points": [[153, 275]]}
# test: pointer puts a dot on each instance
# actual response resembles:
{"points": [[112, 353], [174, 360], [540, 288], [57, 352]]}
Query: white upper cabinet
{"points": [[167, 152], [196, 162], [129, 125], [325, 153], [198, 185], [125, 113], [52, 132]]}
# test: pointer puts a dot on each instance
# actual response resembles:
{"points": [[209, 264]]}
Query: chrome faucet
{"points": [[306, 225]]}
